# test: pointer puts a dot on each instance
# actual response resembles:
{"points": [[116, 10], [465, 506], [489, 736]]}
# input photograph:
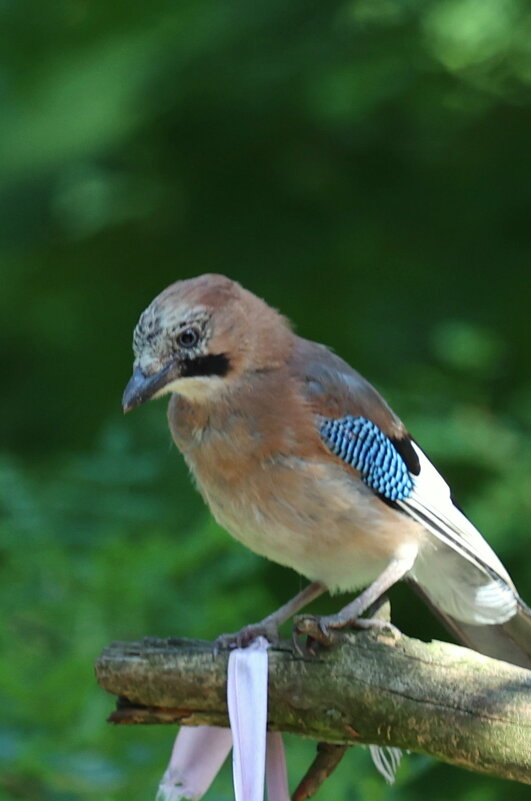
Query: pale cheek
{"points": [[200, 388]]}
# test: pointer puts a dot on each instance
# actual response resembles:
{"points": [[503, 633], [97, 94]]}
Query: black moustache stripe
{"points": [[213, 364]]}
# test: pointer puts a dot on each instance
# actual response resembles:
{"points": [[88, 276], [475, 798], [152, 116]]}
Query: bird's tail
{"points": [[509, 641]]}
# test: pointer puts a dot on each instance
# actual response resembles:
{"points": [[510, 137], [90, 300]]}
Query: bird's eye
{"points": [[188, 338]]}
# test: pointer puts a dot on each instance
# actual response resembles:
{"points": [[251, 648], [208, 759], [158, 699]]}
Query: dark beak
{"points": [[142, 387]]}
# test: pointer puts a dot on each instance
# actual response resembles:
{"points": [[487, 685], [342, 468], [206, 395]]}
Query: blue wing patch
{"points": [[361, 444]]}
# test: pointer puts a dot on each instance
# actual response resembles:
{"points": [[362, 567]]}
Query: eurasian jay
{"points": [[302, 461]]}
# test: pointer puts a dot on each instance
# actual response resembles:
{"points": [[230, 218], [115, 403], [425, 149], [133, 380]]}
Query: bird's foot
{"points": [[322, 629], [246, 635]]}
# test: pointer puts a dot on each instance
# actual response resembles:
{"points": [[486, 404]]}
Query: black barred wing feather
{"points": [[361, 444]]}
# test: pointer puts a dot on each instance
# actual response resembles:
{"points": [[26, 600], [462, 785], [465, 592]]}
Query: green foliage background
{"points": [[362, 164]]}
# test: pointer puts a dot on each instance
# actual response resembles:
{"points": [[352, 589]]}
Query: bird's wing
{"points": [[510, 641], [459, 571]]}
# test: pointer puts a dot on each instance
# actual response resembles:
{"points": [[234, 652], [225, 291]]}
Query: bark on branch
{"points": [[432, 698]]}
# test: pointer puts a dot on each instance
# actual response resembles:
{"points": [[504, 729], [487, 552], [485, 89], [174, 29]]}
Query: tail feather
{"points": [[509, 641]]}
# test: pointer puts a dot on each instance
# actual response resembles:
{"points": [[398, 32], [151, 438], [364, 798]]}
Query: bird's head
{"points": [[198, 336]]}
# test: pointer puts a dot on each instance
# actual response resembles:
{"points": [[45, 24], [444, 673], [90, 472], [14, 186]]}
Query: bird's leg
{"points": [[319, 628], [268, 627]]}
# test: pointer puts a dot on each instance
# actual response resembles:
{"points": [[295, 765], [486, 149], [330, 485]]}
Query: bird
{"points": [[301, 459]]}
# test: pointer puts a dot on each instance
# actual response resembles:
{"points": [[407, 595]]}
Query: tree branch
{"points": [[432, 698]]}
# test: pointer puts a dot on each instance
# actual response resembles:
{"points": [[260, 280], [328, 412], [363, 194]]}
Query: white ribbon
{"points": [[199, 753], [247, 702]]}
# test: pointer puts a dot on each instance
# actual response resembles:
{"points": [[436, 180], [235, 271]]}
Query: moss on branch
{"points": [[433, 698]]}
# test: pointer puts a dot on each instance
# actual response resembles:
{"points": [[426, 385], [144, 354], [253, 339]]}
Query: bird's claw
{"points": [[246, 635], [303, 649], [315, 628], [323, 629], [377, 624]]}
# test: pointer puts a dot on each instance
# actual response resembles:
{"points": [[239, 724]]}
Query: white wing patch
{"points": [[460, 572]]}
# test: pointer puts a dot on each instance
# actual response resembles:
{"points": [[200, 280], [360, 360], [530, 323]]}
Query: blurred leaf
{"points": [[467, 347]]}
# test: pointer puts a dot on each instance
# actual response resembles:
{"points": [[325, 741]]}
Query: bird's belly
{"points": [[312, 517]]}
